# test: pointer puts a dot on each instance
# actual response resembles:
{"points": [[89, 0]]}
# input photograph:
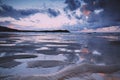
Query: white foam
{"points": [[7, 44], [77, 51], [2, 54], [64, 50], [43, 48], [96, 53], [53, 45]]}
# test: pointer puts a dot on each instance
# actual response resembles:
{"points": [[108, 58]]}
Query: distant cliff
{"points": [[6, 29]]}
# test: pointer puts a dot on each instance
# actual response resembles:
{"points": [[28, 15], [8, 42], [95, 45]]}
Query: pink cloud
{"points": [[43, 21]]}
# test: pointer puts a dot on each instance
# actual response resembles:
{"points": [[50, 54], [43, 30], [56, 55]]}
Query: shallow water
{"points": [[62, 48]]}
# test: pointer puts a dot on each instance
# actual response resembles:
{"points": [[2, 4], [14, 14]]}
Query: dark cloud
{"points": [[5, 23], [1, 2], [108, 17], [8, 11], [53, 13], [95, 4], [28, 12], [111, 8], [110, 14], [72, 4], [92, 17]]}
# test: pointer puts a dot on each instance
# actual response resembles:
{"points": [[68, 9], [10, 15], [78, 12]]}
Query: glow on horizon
{"points": [[41, 21]]}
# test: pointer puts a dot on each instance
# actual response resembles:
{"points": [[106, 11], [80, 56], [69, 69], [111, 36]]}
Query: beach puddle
{"points": [[9, 61], [46, 63], [9, 64]]}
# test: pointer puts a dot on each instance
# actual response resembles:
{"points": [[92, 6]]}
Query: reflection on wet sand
{"points": [[116, 42], [23, 54], [113, 40], [110, 37]]}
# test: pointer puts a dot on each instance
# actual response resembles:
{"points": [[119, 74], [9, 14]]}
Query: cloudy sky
{"points": [[59, 14]]}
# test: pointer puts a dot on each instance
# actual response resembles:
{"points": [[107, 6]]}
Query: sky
{"points": [[59, 14]]}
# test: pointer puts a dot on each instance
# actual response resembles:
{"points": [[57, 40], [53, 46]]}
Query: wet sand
{"points": [[32, 54], [83, 71]]}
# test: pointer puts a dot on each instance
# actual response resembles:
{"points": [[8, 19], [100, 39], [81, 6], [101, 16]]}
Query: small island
{"points": [[6, 29]]}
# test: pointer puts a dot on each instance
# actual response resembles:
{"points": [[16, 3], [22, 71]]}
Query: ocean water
{"points": [[55, 51]]}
